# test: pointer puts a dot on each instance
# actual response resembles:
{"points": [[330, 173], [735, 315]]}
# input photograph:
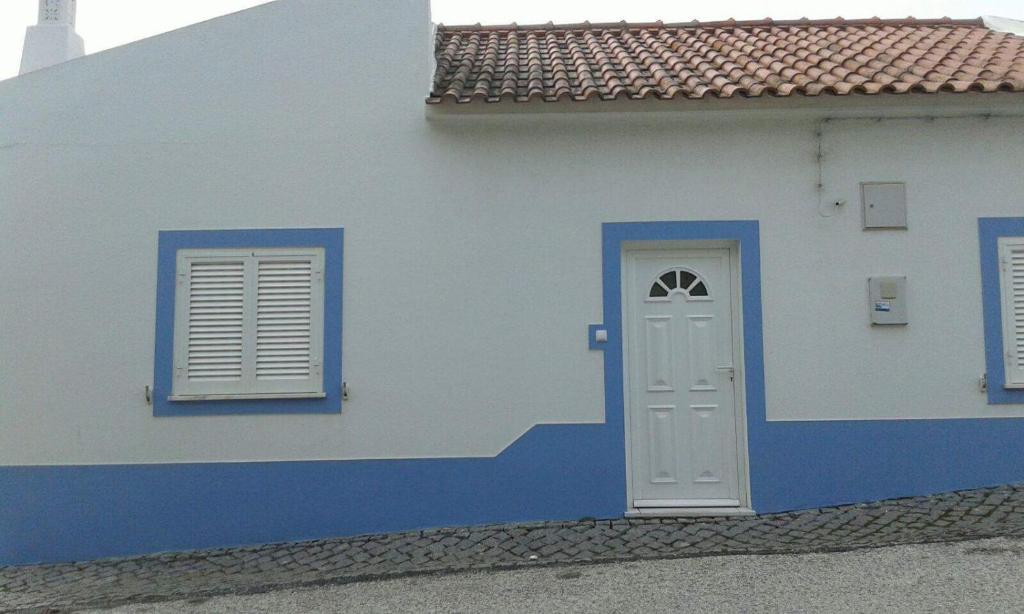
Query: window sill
{"points": [[245, 397]]}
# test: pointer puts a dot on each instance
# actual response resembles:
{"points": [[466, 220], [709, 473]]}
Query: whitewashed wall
{"points": [[472, 254]]}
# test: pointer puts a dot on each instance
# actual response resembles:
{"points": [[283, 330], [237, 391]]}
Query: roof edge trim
{"points": [[729, 23]]}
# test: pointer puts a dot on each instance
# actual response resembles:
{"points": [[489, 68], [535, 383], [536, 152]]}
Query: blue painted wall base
{"points": [[52, 514]]}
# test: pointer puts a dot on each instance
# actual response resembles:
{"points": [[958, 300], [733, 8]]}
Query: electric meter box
{"points": [[887, 300]]}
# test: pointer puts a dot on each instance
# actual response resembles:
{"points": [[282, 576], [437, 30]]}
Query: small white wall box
{"points": [[885, 205], [888, 300]]}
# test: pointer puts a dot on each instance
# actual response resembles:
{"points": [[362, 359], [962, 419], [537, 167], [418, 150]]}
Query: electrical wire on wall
{"points": [[829, 207], [819, 134]]}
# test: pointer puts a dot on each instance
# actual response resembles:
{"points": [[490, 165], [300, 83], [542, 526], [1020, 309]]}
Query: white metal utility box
{"points": [[885, 205]]}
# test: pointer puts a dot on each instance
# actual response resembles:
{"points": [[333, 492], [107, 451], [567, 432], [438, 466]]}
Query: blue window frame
{"points": [[990, 230], [331, 240]]}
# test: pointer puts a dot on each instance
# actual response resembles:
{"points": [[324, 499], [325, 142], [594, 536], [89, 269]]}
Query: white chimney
{"points": [[54, 39]]}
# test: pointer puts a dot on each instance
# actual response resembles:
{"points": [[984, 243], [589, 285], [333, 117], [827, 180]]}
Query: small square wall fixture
{"points": [[885, 205]]}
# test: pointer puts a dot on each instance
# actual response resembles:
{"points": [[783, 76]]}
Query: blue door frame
{"points": [[808, 464]]}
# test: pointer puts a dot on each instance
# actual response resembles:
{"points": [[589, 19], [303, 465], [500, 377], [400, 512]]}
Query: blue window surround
{"points": [[170, 241], [990, 229]]}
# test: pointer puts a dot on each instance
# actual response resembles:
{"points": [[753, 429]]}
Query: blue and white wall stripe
{"points": [[554, 472]]}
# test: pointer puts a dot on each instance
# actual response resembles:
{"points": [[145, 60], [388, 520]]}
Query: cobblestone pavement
{"points": [[996, 512]]}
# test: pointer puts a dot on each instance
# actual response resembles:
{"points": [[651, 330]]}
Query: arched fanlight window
{"points": [[678, 281]]}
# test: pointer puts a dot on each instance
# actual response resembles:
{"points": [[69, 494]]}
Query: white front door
{"points": [[683, 368]]}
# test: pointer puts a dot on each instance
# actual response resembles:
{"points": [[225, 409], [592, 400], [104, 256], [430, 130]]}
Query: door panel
{"points": [[707, 443], [701, 349], [659, 354], [661, 425], [678, 321]]}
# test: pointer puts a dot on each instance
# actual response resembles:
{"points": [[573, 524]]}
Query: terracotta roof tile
{"points": [[723, 60]]}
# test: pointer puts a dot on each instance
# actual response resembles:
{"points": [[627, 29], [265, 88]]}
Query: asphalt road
{"points": [[976, 576]]}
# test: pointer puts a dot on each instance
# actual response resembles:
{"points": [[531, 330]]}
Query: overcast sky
{"points": [[109, 23]]}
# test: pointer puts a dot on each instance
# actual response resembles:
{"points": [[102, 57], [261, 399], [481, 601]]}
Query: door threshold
{"points": [[688, 512]]}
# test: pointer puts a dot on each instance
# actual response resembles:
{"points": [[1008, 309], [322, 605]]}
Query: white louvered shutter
{"points": [[1011, 256], [248, 323], [288, 323]]}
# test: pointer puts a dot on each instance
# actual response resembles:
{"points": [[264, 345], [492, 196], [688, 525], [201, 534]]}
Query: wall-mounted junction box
{"points": [[887, 298], [885, 205]]}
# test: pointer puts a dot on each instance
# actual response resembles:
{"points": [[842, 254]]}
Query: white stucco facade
{"points": [[472, 240]]}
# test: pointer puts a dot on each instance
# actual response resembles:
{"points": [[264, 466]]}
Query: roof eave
{"points": [[823, 105]]}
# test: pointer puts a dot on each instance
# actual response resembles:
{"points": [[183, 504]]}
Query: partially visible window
{"points": [[1011, 275], [248, 323], [1001, 240]]}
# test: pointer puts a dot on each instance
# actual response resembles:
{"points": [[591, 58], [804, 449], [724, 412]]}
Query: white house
{"points": [[319, 269]]}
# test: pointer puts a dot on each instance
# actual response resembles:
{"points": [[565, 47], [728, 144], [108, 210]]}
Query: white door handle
{"points": [[731, 370]]}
